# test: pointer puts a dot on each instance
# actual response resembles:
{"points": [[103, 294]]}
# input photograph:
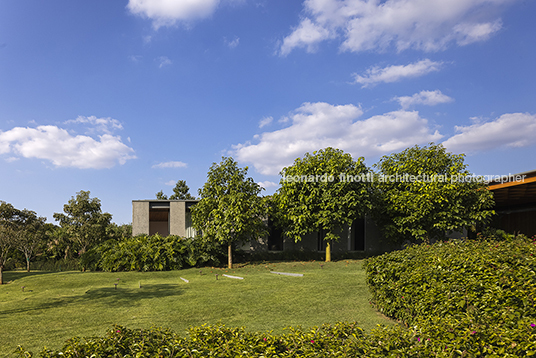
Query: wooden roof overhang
{"points": [[515, 194]]}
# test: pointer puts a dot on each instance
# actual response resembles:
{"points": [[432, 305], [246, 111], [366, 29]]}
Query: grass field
{"points": [[54, 306]]}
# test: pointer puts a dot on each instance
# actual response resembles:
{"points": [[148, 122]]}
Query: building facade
{"points": [[173, 217], [164, 217]]}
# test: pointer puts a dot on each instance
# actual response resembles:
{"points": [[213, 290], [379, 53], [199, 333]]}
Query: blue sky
{"points": [[123, 98]]}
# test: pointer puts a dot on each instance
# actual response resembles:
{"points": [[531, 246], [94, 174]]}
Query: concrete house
{"points": [[173, 217], [165, 217], [515, 205]]}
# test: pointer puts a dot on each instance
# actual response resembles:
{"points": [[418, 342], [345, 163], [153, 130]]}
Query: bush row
{"points": [[478, 297], [338, 340], [152, 253]]}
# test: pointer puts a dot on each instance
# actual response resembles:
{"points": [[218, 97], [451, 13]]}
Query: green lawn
{"points": [[58, 305]]}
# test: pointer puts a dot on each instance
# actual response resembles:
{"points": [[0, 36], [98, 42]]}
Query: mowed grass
{"points": [[55, 306]]}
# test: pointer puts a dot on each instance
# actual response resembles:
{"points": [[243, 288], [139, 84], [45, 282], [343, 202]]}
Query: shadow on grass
{"points": [[10, 276], [109, 296]]}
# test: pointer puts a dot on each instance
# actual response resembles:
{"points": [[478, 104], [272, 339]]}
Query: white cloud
{"points": [[265, 121], [163, 61], [428, 98], [170, 165], [170, 183], [64, 150], [169, 12], [105, 125], [233, 43], [470, 33], [375, 75], [428, 25], [509, 130], [319, 125], [307, 35], [267, 184]]}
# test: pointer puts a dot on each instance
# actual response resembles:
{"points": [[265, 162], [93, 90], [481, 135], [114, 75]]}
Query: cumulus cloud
{"points": [[314, 126], [307, 35], [509, 130], [65, 150], [428, 98], [170, 165], [428, 25], [169, 12], [375, 75]]}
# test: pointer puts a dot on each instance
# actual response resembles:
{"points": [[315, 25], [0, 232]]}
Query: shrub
{"points": [[151, 253], [338, 340], [477, 297]]}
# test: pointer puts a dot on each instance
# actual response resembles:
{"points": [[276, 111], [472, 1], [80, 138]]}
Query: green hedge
{"points": [[338, 340], [476, 297], [152, 253]]}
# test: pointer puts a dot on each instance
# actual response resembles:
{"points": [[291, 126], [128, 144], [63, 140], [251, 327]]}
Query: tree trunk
{"points": [[328, 251], [1, 274], [27, 264], [230, 255]]}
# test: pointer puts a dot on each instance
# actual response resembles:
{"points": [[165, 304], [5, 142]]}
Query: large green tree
{"points": [[323, 192], [423, 192], [30, 234], [83, 221], [7, 234], [19, 229], [230, 209], [181, 191]]}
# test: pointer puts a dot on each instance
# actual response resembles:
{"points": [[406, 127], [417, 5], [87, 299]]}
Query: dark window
{"points": [[358, 234], [321, 241], [275, 237], [159, 221]]}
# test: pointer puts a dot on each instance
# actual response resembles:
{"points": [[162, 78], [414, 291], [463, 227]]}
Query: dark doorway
{"points": [[275, 237], [358, 234]]}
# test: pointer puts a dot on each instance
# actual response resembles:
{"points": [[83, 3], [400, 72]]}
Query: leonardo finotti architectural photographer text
{"points": [[404, 178]]}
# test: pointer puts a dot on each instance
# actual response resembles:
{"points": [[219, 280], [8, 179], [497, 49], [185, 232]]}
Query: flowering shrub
{"points": [[477, 297]]}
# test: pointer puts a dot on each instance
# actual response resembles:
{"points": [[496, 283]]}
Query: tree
{"points": [[84, 222], [31, 231], [230, 209], [323, 192], [161, 196], [119, 232], [423, 192], [7, 234], [181, 191]]}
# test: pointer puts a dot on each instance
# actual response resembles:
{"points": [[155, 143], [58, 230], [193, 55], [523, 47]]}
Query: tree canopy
{"points": [[22, 230], [230, 209], [322, 192], [423, 192], [83, 221], [181, 191]]}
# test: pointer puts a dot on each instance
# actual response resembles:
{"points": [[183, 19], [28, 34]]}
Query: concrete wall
{"points": [[177, 218], [140, 217]]}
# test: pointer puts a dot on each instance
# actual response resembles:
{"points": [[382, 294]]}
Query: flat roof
{"points": [[514, 190], [166, 201]]}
